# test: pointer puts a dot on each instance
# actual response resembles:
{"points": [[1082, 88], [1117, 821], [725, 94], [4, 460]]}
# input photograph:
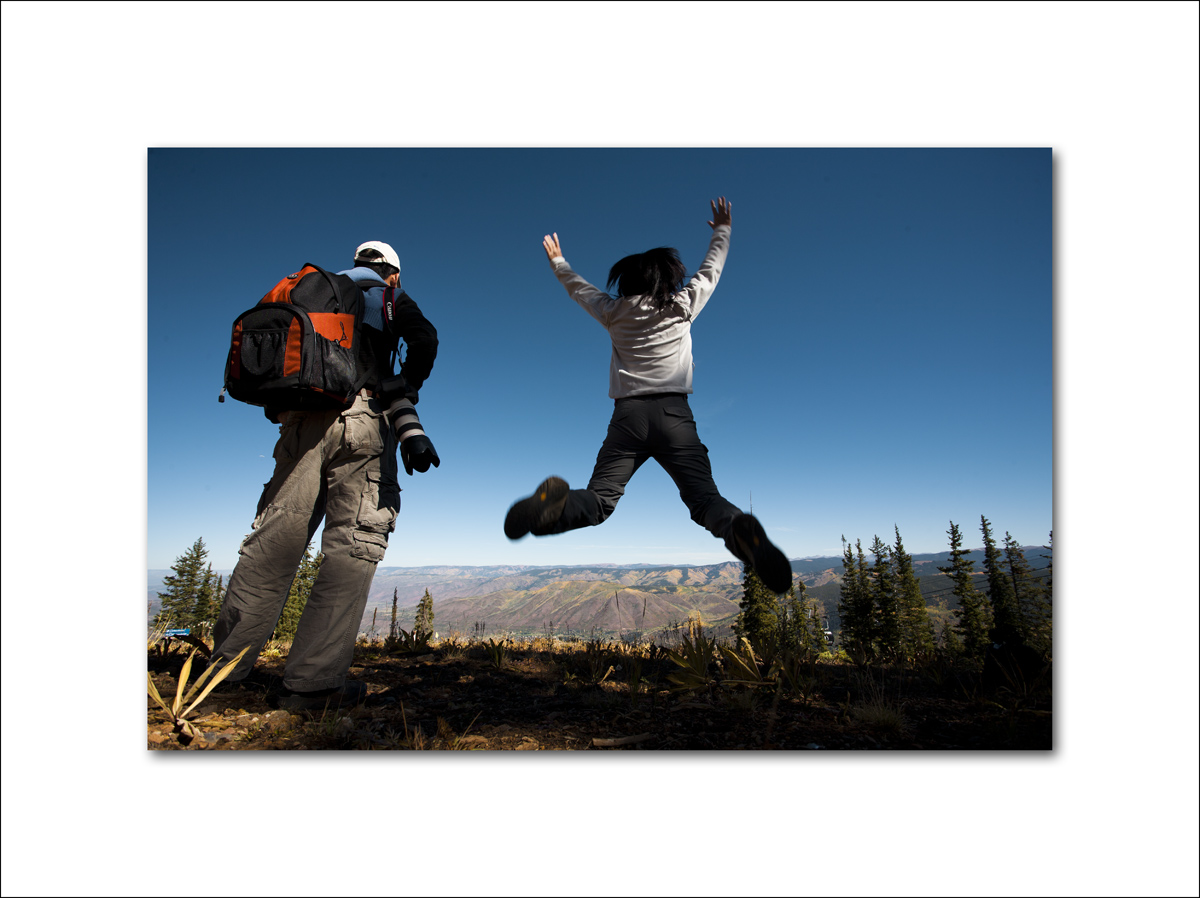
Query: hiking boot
{"points": [[349, 694], [227, 694], [536, 514], [750, 544], [252, 682]]}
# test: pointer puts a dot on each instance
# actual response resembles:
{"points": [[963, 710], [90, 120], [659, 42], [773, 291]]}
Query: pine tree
{"points": [[952, 643], [757, 618], [1006, 624], [886, 607], [302, 584], [208, 600], [183, 588], [789, 618], [916, 632], [423, 626], [1033, 610], [973, 613], [1047, 634], [812, 634], [218, 598], [394, 629], [1049, 584], [854, 606]]}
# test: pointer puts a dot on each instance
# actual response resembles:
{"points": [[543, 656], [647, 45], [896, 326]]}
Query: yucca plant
{"points": [[597, 654], [693, 657], [799, 675], [183, 695], [742, 667], [408, 643], [155, 640], [497, 652]]}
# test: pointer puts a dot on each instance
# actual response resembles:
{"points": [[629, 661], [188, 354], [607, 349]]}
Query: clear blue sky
{"points": [[877, 353]]}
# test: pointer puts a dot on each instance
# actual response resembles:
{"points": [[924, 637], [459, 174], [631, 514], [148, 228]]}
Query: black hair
{"points": [[657, 273], [373, 259]]}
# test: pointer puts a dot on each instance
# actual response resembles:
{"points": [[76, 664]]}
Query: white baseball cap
{"points": [[389, 254]]}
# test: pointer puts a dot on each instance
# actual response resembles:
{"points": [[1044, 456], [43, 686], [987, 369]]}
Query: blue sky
{"points": [[877, 353]]}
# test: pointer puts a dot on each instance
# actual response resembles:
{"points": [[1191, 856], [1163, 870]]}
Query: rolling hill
{"points": [[594, 599]]}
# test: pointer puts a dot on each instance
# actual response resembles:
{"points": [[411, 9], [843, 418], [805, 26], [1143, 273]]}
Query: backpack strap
{"points": [[389, 324]]}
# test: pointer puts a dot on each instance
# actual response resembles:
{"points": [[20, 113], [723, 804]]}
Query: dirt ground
{"points": [[559, 698]]}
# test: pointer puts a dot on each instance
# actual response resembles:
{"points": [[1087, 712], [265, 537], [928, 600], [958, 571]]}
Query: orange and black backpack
{"points": [[301, 347]]}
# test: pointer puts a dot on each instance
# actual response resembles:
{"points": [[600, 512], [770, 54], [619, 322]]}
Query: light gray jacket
{"points": [[651, 347]]}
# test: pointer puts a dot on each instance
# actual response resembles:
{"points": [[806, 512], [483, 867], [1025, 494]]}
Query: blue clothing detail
{"points": [[372, 286]]}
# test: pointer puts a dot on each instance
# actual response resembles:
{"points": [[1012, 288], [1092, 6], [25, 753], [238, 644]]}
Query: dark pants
{"points": [[660, 427]]}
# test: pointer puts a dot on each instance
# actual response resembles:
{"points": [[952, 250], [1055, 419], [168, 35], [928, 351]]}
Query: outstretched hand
{"points": [[552, 246], [722, 213]]}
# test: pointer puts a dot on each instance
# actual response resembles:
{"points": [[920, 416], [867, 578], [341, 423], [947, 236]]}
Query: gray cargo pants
{"points": [[336, 465], [660, 427]]}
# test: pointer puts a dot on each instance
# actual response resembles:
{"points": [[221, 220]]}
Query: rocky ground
{"points": [[544, 696]]}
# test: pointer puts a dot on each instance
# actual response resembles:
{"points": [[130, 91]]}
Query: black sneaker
{"points": [[751, 545], [349, 694], [537, 513]]}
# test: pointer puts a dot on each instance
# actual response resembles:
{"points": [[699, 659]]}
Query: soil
{"points": [[556, 698]]}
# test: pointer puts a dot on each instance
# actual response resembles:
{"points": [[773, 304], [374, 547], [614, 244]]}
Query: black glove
{"points": [[417, 453]]}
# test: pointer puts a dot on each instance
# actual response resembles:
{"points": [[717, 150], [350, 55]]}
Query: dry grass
{"points": [[875, 710]]}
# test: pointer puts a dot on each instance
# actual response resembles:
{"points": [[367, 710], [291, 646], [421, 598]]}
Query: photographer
{"points": [[339, 465]]}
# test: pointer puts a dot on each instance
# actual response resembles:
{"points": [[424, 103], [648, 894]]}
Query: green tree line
{"points": [[193, 593], [883, 615], [792, 623]]}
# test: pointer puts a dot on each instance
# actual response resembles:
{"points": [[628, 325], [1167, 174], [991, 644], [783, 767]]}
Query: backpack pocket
{"points": [[266, 346], [334, 364], [337, 368]]}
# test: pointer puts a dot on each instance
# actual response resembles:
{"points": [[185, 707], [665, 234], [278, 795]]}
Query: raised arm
{"points": [[593, 301], [704, 281]]}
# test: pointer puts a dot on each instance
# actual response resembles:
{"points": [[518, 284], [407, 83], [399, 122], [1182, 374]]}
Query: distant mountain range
{"points": [[592, 599]]}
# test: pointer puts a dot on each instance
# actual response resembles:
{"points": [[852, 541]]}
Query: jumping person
{"points": [[649, 321]]}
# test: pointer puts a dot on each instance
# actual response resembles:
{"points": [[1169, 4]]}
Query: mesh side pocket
{"points": [[337, 366], [262, 351]]}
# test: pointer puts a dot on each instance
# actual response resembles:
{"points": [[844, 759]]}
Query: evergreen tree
{"points": [[812, 634], [302, 584], [394, 629], [789, 619], [884, 602], [423, 627], [1048, 598], [951, 642], [208, 600], [1033, 610], [1049, 584], [973, 613], [1006, 623], [757, 618], [916, 632], [854, 606], [183, 588], [218, 598]]}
